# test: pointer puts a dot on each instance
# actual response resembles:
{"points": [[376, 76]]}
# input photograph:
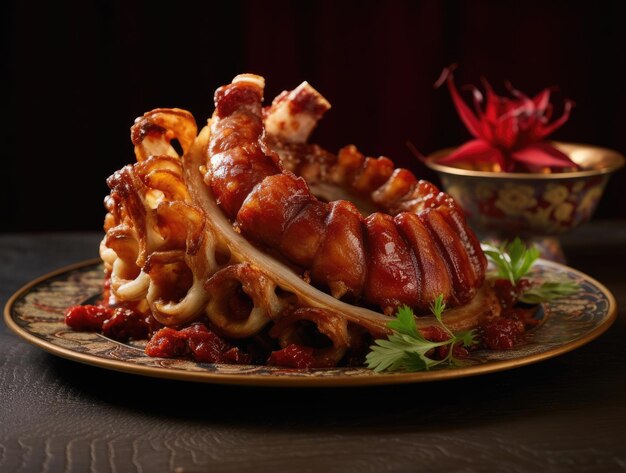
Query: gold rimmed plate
{"points": [[35, 313]]}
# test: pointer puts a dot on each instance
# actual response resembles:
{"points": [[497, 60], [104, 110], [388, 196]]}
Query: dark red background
{"points": [[75, 75]]}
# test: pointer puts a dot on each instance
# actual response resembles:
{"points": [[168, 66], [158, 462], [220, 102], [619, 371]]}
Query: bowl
{"points": [[503, 205]]}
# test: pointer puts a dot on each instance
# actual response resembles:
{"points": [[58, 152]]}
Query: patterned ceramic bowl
{"points": [[504, 205]]}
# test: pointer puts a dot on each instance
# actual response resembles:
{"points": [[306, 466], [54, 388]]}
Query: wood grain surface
{"points": [[565, 414]]}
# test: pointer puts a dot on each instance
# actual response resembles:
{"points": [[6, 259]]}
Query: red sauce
{"points": [[119, 324], [196, 341], [204, 344], [293, 356], [87, 317], [237, 357], [507, 331], [125, 324], [508, 294], [501, 333], [166, 343]]}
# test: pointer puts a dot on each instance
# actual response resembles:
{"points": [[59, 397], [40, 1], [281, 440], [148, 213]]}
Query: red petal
{"points": [[492, 109], [504, 164], [547, 114], [474, 151], [542, 100], [478, 100], [466, 115], [543, 155], [541, 133], [523, 99], [506, 131]]}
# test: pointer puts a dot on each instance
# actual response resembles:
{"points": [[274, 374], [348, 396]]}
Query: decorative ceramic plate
{"points": [[35, 313]]}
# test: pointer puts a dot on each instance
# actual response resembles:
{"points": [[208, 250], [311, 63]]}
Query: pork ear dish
{"points": [[244, 230]]}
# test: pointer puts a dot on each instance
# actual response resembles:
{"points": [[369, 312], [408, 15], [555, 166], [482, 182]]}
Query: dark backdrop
{"points": [[75, 75]]}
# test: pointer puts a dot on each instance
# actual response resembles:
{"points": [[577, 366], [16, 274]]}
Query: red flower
{"points": [[508, 132]]}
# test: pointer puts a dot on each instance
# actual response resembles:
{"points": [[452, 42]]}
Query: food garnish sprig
{"points": [[513, 261], [406, 349]]}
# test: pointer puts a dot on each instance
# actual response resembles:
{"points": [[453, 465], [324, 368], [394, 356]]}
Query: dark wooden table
{"points": [[564, 414]]}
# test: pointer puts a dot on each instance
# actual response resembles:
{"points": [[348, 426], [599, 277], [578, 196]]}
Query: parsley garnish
{"points": [[549, 291], [514, 260], [406, 349]]}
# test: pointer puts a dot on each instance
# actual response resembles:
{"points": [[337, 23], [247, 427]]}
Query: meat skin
{"points": [[416, 247]]}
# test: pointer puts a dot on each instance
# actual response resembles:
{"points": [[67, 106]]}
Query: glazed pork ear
{"points": [[370, 258], [228, 232], [155, 241]]}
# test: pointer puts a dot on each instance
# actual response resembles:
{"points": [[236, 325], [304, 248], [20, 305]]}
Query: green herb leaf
{"points": [[548, 291], [405, 322], [406, 348], [437, 307], [417, 362], [391, 354], [512, 260], [467, 338]]}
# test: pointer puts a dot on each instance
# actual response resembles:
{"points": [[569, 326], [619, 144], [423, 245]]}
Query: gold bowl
{"points": [[502, 205]]}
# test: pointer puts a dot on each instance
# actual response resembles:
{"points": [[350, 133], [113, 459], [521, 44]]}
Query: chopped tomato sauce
{"points": [[196, 341], [167, 343], [87, 317], [127, 323], [508, 294], [117, 323], [293, 356], [501, 333]]}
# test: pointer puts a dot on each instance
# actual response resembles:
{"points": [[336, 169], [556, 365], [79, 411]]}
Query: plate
{"points": [[35, 313]]}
